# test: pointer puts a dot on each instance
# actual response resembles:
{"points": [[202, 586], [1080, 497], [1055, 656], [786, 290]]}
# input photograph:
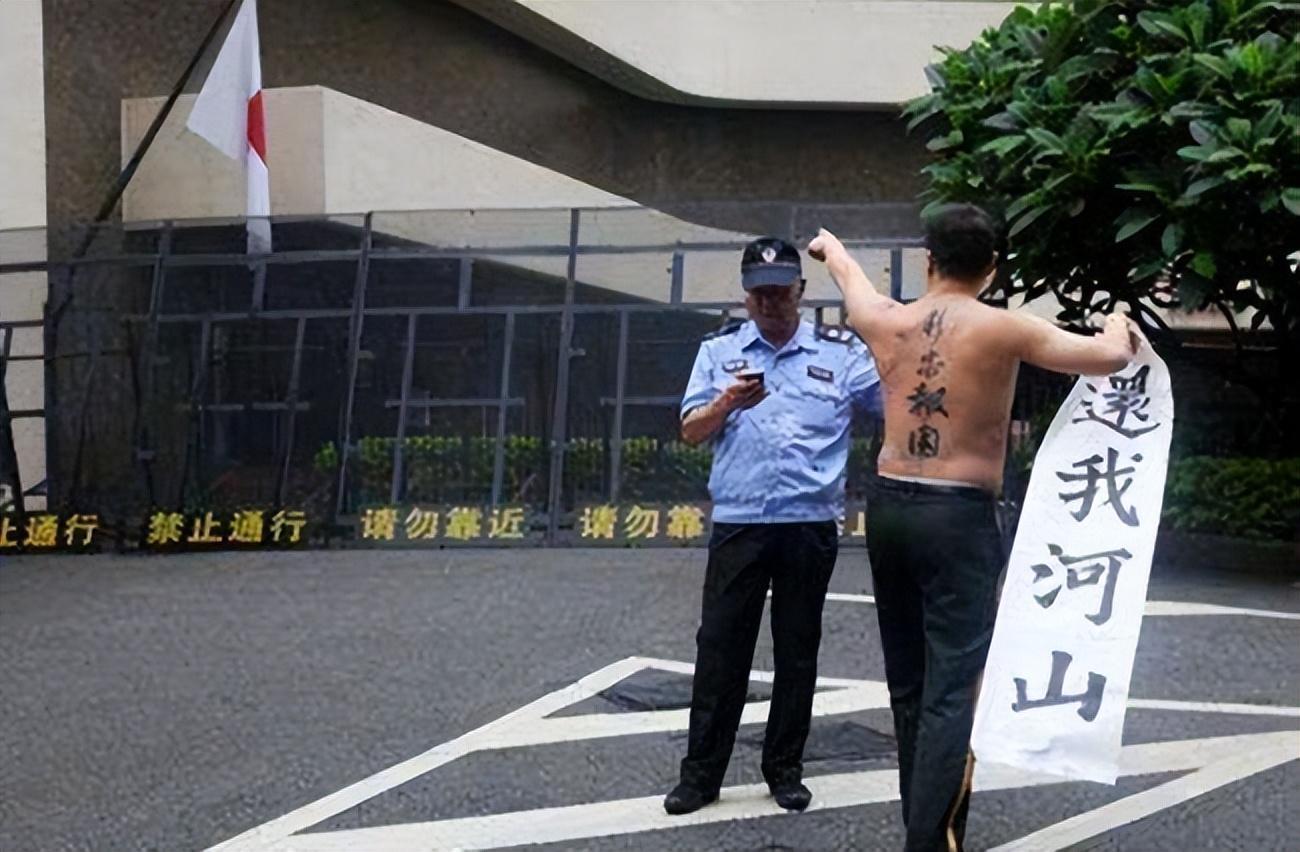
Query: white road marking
{"points": [[1216, 759], [533, 724], [528, 725], [1153, 608], [595, 819], [600, 725], [1179, 608], [846, 598], [1213, 707], [1252, 760], [263, 836]]}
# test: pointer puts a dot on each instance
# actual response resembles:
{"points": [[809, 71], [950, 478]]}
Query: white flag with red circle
{"points": [[228, 114]]}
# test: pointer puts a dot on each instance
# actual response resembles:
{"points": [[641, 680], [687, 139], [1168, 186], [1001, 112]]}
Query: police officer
{"points": [[774, 395]]}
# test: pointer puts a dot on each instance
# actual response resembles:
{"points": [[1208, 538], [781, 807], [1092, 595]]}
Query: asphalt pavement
{"points": [[435, 699]]}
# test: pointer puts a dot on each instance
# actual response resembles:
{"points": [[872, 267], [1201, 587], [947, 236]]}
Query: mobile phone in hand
{"points": [[753, 375]]}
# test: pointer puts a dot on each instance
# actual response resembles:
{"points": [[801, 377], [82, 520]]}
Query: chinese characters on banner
{"points": [[685, 522], [242, 527], [682, 523], [162, 529], [41, 531], [622, 524], [1056, 683], [446, 525], [616, 524]]}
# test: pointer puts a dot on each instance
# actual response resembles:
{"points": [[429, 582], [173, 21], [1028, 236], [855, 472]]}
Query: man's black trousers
{"points": [[795, 560], [936, 556]]}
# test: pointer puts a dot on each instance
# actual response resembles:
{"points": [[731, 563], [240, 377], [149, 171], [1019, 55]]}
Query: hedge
{"points": [[651, 468], [1240, 497]]}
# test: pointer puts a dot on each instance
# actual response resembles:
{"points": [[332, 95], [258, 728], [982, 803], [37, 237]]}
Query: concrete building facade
{"points": [[726, 118], [22, 236]]}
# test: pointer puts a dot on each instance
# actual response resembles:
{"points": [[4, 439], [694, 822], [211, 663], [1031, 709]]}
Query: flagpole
{"points": [[54, 313], [128, 172]]}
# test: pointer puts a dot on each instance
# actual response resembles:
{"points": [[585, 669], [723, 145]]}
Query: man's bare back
{"points": [[948, 377], [948, 365]]}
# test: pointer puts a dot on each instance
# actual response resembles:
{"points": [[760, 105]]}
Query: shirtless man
{"points": [[948, 366]]}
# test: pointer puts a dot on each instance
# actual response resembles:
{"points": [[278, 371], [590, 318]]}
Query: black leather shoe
{"points": [[791, 795], [685, 799]]}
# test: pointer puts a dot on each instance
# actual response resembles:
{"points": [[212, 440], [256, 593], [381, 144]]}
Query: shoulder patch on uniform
{"points": [[730, 328], [837, 334]]}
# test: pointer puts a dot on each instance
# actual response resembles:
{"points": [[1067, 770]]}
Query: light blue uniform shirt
{"points": [[783, 460]]}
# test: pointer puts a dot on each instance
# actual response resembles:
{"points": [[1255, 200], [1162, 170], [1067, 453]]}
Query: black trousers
{"points": [[796, 561], [936, 557]]}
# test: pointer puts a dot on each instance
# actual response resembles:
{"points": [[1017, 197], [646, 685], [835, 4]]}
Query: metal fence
{"points": [[524, 358], [530, 358]]}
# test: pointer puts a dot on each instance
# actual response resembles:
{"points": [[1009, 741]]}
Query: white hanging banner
{"points": [[1056, 683]]}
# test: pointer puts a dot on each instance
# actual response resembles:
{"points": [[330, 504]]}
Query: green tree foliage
{"points": [[1142, 154], [1247, 498]]}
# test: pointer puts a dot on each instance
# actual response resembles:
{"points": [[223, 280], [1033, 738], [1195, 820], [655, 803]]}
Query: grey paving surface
{"points": [[171, 703]]}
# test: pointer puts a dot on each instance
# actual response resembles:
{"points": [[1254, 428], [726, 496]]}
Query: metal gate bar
{"points": [[559, 423], [557, 426], [291, 415], [399, 447], [499, 451], [620, 388], [356, 322]]}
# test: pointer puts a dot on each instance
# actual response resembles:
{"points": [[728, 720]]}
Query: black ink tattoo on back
{"points": [[931, 365], [924, 442], [926, 401], [933, 326]]}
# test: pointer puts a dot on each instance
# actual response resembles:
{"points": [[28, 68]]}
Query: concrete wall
{"points": [[446, 67], [184, 177], [329, 153], [22, 116], [416, 166], [22, 222], [334, 155], [746, 52]]}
